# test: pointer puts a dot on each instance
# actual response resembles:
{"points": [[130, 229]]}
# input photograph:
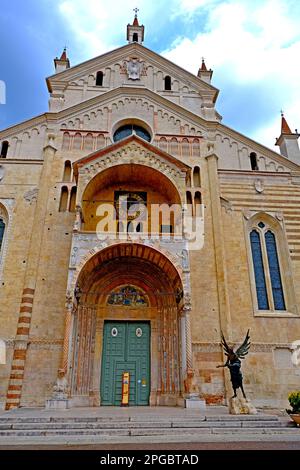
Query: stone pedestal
{"points": [[193, 401], [59, 401], [241, 406], [53, 404]]}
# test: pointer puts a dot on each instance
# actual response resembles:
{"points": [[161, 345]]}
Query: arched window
{"points": [[72, 205], [99, 79], [67, 171], [135, 37], [4, 149], [188, 179], [197, 182], [129, 129], [266, 268], [253, 161], [198, 202], [189, 202], [168, 83], [2, 230], [63, 204]]}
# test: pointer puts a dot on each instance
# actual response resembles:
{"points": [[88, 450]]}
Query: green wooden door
{"points": [[126, 348]]}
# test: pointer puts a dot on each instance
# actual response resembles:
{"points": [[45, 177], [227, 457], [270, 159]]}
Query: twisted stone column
{"points": [[187, 369], [66, 344]]}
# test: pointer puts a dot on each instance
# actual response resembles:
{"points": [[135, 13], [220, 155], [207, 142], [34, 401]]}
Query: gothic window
{"points": [[129, 129], [4, 149], [168, 84], [253, 161], [266, 268], [274, 268], [2, 230], [99, 79]]}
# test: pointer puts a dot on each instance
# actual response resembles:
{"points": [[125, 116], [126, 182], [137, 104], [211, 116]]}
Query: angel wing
{"points": [[226, 348], [243, 350]]}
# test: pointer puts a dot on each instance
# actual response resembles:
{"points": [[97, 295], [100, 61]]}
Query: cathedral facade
{"points": [[135, 229]]}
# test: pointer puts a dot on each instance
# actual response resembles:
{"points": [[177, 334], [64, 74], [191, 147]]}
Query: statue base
{"points": [[241, 406], [192, 400], [59, 401]]}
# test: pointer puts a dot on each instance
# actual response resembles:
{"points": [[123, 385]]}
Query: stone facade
{"points": [[60, 163]]}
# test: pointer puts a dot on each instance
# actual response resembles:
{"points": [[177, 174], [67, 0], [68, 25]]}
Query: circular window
{"points": [[129, 129]]}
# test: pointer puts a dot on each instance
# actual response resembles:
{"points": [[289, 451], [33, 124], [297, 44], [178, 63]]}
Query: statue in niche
{"points": [[234, 363]]}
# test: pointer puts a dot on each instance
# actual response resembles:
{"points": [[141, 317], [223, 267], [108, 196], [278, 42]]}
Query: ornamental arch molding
{"points": [[132, 154], [144, 251]]}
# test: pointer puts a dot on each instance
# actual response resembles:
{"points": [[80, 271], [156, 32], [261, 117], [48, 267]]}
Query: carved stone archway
{"points": [[168, 313]]}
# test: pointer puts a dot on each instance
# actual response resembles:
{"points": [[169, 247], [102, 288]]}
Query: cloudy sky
{"points": [[253, 46]]}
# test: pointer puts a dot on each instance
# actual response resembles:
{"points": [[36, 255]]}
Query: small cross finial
{"points": [[136, 10], [281, 112]]}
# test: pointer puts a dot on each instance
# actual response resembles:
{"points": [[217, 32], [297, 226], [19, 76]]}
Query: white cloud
{"points": [[246, 42], [97, 24], [250, 44]]}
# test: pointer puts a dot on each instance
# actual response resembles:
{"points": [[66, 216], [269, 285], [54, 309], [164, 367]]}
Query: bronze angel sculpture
{"points": [[234, 364]]}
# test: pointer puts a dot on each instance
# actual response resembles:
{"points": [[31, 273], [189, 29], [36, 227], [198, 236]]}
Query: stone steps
{"points": [[114, 426]]}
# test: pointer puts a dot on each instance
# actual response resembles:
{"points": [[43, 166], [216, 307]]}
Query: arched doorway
{"points": [[127, 319]]}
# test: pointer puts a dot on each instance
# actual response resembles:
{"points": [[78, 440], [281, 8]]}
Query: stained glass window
{"points": [[260, 280], [274, 267]]}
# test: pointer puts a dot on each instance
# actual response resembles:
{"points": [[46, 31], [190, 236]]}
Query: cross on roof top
{"points": [[136, 11]]}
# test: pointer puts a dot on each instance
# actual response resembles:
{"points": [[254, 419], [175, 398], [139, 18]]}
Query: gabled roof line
{"points": [[121, 143], [144, 50]]}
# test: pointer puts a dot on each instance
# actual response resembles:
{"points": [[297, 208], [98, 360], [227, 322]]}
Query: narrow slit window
{"points": [[4, 149], [99, 79], [168, 84]]}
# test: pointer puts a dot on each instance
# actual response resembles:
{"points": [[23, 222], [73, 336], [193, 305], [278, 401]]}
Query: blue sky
{"points": [[253, 46]]}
